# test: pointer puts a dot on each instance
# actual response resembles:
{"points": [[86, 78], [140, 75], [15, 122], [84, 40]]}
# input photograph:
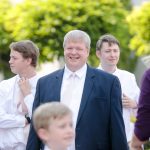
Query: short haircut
{"points": [[44, 115], [77, 35], [108, 38], [28, 50]]}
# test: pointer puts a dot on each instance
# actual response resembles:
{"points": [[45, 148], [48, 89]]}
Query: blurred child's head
{"points": [[53, 124]]}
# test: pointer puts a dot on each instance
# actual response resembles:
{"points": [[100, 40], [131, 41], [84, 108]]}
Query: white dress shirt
{"points": [[12, 122], [46, 148], [75, 100], [129, 87]]}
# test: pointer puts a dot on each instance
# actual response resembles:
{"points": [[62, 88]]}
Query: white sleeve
{"points": [[29, 103], [10, 120], [135, 89], [8, 117]]}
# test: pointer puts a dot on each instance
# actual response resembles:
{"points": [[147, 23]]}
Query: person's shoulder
{"points": [[7, 84], [125, 73], [9, 80], [52, 75], [101, 73], [147, 74]]}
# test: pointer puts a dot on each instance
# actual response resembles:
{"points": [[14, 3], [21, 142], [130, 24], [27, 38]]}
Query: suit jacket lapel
{"points": [[58, 83], [88, 85]]}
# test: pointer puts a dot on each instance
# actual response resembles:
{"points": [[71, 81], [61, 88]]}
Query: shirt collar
{"points": [[114, 73], [79, 73], [30, 79], [46, 148]]}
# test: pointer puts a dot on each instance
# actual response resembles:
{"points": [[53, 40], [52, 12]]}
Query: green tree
{"points": [[47, 21], [5, 38], [127, 4], [139, 22]]}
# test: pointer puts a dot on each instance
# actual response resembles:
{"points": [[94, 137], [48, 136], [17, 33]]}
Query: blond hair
{"points": [[77, 35], [46, 113]]}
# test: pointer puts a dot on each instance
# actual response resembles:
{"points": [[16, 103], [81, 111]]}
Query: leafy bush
{"points": [[47, 21], [139, 22]]}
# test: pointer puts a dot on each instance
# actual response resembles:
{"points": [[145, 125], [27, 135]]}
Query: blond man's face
{"points": [[76, 55]]}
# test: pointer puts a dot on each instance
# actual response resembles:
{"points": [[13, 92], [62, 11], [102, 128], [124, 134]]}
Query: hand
{"points": [[137, 148], [26, 122], [127, 102], [25, 86], [136, 144]]}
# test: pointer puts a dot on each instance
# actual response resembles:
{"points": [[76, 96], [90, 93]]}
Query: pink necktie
{"points": [[69, 89]]}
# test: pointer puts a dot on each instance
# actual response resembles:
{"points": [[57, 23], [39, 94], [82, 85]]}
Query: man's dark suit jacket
{"points": [[99, 124]]}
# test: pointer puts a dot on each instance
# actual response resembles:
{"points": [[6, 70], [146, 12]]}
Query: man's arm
{"points": [[127, 102], [136, 144], [141, 129], [8, 119], [131, 100], [34, 142], [11, 120], [117, 129]]}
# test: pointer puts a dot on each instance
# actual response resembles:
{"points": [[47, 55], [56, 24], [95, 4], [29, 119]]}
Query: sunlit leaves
{"points": [[139, 22], [46, 22]]}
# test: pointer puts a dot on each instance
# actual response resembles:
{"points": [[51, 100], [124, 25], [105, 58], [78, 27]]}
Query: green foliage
{"points": [[147, 146], [127, 4], [139, 22], [5, 38], [47, 21]]}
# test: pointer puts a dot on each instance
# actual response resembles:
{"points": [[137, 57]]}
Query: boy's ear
{"points": [[43, 134], [29, 60], [98, 53]]}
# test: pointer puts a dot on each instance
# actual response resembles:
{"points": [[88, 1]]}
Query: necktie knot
{"points": [[73, 75]]}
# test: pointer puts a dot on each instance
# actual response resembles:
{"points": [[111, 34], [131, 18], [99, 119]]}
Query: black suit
{"points": [[99, 124]]}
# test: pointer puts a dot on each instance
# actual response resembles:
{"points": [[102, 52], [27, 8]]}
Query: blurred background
{"points": [[45, 22]]}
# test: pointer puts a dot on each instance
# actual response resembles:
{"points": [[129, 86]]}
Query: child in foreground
{"points": [[53, 124]]}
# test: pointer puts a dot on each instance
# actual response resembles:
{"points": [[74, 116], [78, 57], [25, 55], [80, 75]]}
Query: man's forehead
{"points": [[14, 52], [75, 41], [110, 44]]}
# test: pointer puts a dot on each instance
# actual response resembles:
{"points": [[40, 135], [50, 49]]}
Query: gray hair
{"points": [[77, 35]]}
